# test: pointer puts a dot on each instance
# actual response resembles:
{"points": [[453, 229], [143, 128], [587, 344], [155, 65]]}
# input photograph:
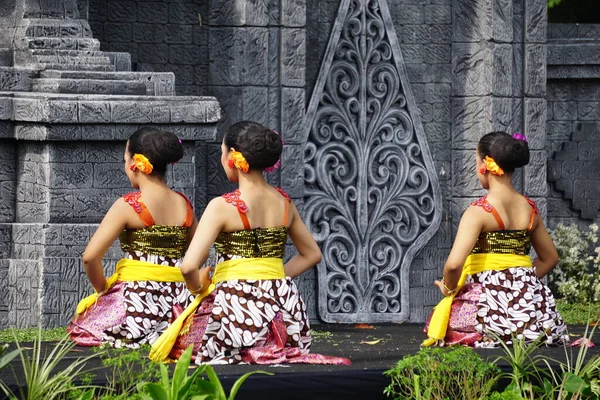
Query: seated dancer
{"points": [[251, 310], [155, 225], [493, 289]]}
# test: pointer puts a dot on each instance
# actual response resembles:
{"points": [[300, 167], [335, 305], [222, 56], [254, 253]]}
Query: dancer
{"points": [[155, 225], [492, 288], [250, 311]]}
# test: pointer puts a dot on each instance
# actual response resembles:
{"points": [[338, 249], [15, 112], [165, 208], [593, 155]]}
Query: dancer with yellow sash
{"points": [[250, 310], [491, 286], [135, 305]]}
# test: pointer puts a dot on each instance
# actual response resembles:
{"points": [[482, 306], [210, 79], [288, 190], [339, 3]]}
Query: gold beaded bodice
{"points": [[503, 242], [161, 240], [253, 243]]}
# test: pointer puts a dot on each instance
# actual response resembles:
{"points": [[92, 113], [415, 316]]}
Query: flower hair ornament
{"points": [[141, 164], [278, 163], [490, 165], [238, 161], [518, 136]]}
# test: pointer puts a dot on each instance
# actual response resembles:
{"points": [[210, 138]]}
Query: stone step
{"points": [[66, 43], [60, 59], [80, 67], [67, 53], [90, 86], [157, 83], [58, 28]]}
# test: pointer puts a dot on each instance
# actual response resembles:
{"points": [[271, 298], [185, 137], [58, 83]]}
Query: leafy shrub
{"points": [[445, 373], [576, 278]]}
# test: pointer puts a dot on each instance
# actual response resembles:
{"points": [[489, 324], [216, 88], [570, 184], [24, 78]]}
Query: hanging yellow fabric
{"points": [[236, 269], [474, 264], [134, 270]]}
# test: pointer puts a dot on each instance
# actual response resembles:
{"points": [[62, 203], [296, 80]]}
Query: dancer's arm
{"points": [[110, 228], [209, 226], [547, 256], [468, 230], [309, 253]]}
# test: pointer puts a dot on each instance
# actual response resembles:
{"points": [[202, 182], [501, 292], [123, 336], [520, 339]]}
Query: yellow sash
{"points": [[134, 270], [474, 264], [237, 269]]}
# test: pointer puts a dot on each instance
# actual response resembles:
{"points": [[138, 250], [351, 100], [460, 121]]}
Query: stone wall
{"points": [[471, 69], [573, 144]]}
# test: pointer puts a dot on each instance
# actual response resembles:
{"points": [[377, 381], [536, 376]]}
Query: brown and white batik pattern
{"points": [[515, 303]]}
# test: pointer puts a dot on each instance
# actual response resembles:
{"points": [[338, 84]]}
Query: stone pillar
{"points": [[498, 83], [257, 59]]}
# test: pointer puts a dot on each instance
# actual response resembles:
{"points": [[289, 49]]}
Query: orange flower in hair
{"points": [[491, 166], [238, 161], [142, 164]]}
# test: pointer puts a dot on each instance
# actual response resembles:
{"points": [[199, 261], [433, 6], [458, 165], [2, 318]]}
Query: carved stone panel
{"points": [[372, 197]]}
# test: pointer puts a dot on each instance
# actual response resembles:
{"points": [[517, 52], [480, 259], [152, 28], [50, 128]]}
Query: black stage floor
{"points": [[361, 380]]}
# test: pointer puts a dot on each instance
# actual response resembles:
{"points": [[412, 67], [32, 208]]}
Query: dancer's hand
{"points": [[204, 275]]}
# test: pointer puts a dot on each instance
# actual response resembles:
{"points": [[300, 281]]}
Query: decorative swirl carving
{"points": [[372, 197]]}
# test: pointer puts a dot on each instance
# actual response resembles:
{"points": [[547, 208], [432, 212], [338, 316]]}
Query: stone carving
{"points": [[372, 198]]}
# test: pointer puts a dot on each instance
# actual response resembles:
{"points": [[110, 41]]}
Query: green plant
{"points": [[31, 334], [126, 368], [442, 373], [193, 387], [7, 358], [43, 378], [578, 313], [576, 278]]}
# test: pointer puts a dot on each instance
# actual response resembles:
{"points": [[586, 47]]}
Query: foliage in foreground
{"points": [[442, 373], [131, 375]]}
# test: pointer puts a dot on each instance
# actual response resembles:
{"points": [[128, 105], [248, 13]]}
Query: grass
{"points": [[573, 314], [577, 313], [30, 334]]}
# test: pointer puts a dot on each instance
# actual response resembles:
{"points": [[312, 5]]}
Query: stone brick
{"points": [[437, 93], [502, 20], [438, 131], [184, 13], [535, 174], [178, 34], [589, 151], [184, 54], [536, 21], [441, 33], [425, 112], [150, 33], [438, 14], [471, 22], [535, 70], [117, 32], [413, 53], [153, 12], [586, 131], [464, 178], [559, 131], [472, 75], [227, 46], [292, 114], [70, 176], [559, 91], [502, 113], [588, 111], [417, 34], [153, 53], [438, 53], [410, 14], [471, 117], [535, 123], [502, 70], [119, 11], [292, 176], [564, 111], [94, 111], [293, 13], [293, 57]]}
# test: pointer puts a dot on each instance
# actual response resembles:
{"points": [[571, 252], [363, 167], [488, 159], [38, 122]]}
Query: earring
{"points": [[132, 167], [230, 163], [482, 170]]}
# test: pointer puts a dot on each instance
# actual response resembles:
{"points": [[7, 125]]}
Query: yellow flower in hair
{"points": [[491, 166], [142, 164], [237, 160]]}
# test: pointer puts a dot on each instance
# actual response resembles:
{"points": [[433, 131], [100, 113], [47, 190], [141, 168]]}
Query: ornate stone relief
{"points": [[372, 196]]}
